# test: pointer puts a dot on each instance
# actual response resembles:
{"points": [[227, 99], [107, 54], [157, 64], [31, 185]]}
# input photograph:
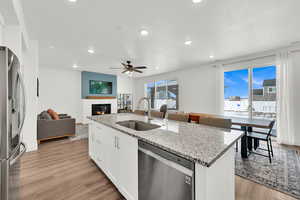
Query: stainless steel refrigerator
{"points": [[12, 115]]}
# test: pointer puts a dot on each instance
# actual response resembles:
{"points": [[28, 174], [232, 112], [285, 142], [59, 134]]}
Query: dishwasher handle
{"points": [[169, 163], [167, 155]]}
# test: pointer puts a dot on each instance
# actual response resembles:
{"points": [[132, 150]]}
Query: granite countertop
{"points": [[198, 143]]}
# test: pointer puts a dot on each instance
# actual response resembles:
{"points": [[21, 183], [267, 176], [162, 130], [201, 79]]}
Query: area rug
{"points": [[81, 132], [283, 174]]}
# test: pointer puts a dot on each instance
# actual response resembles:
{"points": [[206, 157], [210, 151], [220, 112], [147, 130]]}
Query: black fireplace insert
{"points": [[101, 109]]}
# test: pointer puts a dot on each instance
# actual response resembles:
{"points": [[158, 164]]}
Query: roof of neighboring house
{"points": [[269, 82], [258, 91]]}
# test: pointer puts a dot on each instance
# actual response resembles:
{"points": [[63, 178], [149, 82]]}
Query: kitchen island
{"points": [[114, 148]]}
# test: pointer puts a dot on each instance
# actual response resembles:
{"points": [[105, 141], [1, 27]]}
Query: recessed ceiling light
{"points": [[157, 68], [73, 1], [51, 47], [75, 66], [144, 33], [188, 42], [91, 51], [197, 1], [211, 56]]}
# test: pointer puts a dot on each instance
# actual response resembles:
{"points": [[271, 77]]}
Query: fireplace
{"points": [[101, 109]]}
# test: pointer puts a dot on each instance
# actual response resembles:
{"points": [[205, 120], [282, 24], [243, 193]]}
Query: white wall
{"points": [[60, 90], [296, 94], [30, 67], [1, 28], [1, 33], [197, 88], [124, 85]]}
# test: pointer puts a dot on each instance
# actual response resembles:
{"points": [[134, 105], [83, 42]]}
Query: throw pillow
{"points": [[45, 115], [53, 114]]}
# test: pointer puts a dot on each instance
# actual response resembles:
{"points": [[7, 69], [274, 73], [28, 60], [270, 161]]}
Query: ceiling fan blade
{"points": [[125, 71], [140, 67], [124, 65], [137, 71]]}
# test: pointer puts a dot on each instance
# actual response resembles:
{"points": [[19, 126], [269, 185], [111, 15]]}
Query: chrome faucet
{"points": [[149, 106]]}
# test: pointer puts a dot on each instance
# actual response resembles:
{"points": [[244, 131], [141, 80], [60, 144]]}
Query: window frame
{"points": [[249, 66], [155, 91]]}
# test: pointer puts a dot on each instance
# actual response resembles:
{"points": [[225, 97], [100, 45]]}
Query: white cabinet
{"points": [[113, 158], [129, 165], [99, 145], [116, 153]]}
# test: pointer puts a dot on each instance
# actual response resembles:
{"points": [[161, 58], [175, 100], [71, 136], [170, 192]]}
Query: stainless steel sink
{"points": [[138, 125]]}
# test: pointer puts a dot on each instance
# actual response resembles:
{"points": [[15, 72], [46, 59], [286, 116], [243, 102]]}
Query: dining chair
{"points": [[216, 122], [156, 114], [164, 110], [263, 136], [194, 117], [178, 117], [139, 112], [239, 128]]}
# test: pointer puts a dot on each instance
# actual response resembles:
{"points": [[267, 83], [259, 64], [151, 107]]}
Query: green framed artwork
{"points": [[100, 87]]}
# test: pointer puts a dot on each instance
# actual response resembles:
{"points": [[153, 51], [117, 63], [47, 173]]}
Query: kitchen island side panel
{"points": [[217, 181]]}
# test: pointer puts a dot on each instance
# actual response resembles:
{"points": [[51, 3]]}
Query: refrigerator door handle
{"points": [[24, 102], [16, 158]]}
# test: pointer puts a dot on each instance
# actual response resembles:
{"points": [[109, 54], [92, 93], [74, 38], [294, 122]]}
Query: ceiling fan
{"points": [[128, 67]]}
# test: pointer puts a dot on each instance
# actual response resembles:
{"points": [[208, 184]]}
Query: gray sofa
{"points": [[49, 129]]}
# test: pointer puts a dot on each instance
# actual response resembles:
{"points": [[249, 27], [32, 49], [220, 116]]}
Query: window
{"points": [[150, 93], [250, 92], [163, 92]]}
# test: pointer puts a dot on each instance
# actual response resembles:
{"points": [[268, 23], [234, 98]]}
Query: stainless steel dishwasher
{"points": [[163, 175]]}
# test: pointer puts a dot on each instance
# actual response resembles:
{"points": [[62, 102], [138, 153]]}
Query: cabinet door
{"points": [[100, 152], [112, 156], [91, 141], [128, 171]]}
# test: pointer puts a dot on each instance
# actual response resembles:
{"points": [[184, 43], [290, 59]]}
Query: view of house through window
{"points": [[250, 92], [163, 92]]}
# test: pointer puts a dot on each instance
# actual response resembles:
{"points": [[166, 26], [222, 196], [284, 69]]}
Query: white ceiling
{"points": [[223, 28]]}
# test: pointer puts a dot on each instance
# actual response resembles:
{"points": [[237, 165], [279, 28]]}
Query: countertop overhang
{"points": [[198, 143]]}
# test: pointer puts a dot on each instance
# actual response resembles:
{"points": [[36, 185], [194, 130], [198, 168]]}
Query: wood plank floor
{"points": [[62, 170]]}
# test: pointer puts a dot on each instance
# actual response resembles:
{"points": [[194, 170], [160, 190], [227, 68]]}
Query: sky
{"points": [[236, 82]]}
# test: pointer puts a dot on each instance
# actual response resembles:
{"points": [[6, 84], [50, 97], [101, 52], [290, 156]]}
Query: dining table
{"points": [[245, 124]]}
